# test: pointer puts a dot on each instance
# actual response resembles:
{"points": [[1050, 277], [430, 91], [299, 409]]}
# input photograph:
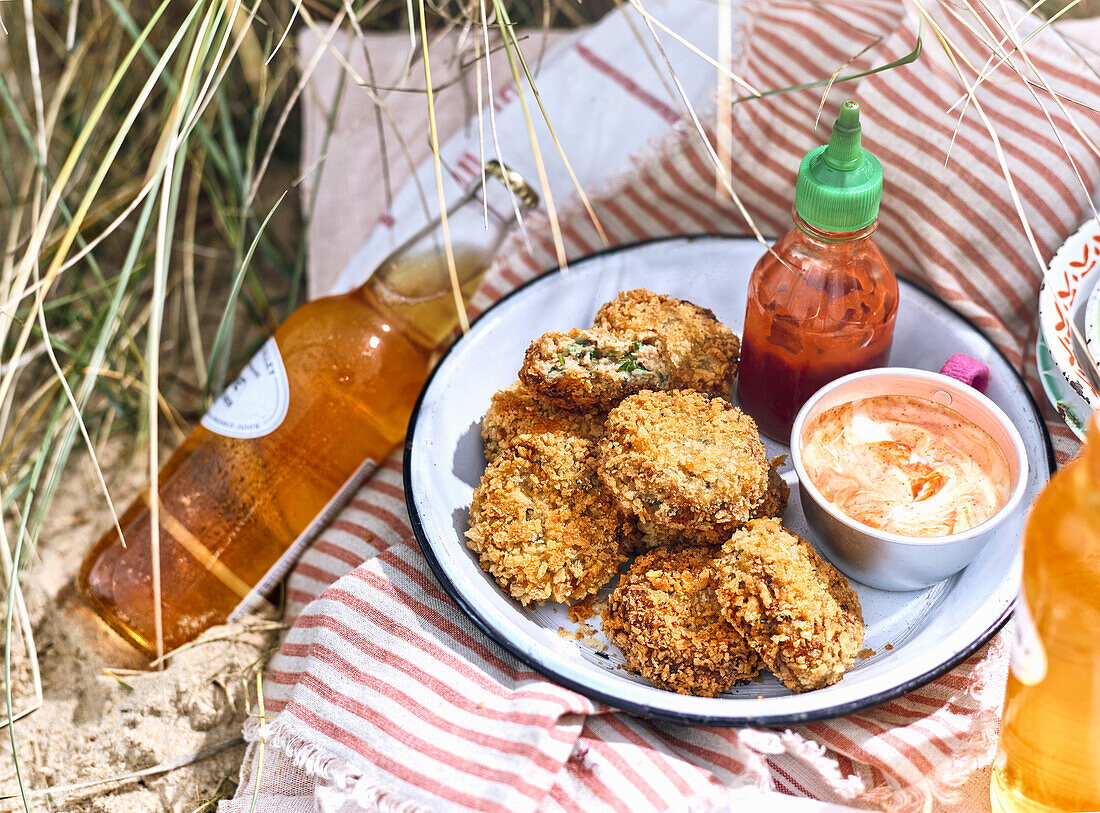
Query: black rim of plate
{"points": [[641, 708]]}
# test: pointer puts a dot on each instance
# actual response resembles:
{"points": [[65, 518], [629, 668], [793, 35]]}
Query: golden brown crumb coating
{"points": [[775, 499], [518, 411], [774, 504], [592, 369], [665, 618], [684, 461], [794, 608], [702, 352], [543, 525]]}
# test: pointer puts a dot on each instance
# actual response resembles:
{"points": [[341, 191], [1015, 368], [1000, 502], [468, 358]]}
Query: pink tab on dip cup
{"points": [[967, 370]]}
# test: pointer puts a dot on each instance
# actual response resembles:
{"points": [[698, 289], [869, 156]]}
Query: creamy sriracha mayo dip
{"points": [[906, 465]]}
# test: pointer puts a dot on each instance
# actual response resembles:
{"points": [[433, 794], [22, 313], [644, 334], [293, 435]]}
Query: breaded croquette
{"points": [[665, 618], [774, 504], [702, 352], [684, 461], [592, 369], [542, 523], [796, 610], [518, 411]]}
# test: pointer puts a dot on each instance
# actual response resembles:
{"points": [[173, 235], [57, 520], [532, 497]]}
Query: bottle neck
{"points": [[831, 237], [426, 281], [415, 285]]}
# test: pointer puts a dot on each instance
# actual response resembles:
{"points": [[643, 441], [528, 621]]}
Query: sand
{"points": [[95, 726]]}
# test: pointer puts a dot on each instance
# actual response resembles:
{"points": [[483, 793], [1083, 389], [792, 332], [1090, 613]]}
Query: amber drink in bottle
{"points": [[325, 400], [1048, 759]]}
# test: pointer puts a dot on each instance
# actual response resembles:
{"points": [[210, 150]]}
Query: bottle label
{"points": [[1028, 660], [257, 596], [255, 404]]}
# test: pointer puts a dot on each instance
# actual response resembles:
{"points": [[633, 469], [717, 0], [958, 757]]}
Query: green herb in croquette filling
{"points": [[585, 350]]}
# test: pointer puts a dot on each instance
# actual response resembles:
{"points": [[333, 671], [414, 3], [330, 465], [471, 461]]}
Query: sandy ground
{"points": [[93, 725]]}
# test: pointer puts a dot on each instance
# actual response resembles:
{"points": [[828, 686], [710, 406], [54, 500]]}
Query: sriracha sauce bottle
{"points": [[822, 301]]}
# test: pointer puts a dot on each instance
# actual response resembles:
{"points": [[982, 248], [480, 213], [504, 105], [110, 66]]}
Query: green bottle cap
{"points": [[839, 184]]}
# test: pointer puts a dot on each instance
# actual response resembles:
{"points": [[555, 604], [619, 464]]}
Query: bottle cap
{"points": [[514, 181], [839, 184]]}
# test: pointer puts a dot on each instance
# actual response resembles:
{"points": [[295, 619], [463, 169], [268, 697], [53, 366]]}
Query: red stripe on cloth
{"points": [[939, 703], [764, 195], [364, 711], [391, 766], [572, 235], [657, 759], [491, 291], [558, 794], [624, 217], [847, 767], [308, 571], [900, 711], [391, 520], [685, 195], [724, 761], [979, 154], [534, 267], [356, 530], [666, 112], [299, 596], [393, 464], [907, 750], [952, 680], [885, 20], [580, 769], [431, 616], [430, 682], [419, 578], [707, 173], [793, 782], [646, 205], [426, 646], [833, 737], [626, 770], [510, 276], [389, 490]]}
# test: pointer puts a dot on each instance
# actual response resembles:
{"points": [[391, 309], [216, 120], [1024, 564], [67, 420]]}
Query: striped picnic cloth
{"points": [[383, 696]]}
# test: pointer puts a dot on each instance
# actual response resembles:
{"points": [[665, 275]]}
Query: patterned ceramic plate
{"points": [[1063, 298], [914, 637], [1072, 407]]}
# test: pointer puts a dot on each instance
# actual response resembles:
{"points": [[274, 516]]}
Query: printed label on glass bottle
{"points": [[255, 404], [1028, 659], [257, 596]]}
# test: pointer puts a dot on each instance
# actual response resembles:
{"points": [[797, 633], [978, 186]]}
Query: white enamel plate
{"points": [[914, 636]]}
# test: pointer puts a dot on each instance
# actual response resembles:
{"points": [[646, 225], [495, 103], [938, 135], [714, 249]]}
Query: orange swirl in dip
{"points": [[906, 465]]}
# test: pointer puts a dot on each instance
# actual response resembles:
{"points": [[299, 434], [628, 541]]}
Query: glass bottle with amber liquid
{"points": [[1048, 759], [822, 301], [284, 447]]}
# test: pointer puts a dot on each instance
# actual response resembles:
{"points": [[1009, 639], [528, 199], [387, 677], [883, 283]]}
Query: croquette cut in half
{"points": [[702, 352], [518, 411], [665, 619], [683, 461], [542, 523], [796, 610], [593, 369]]}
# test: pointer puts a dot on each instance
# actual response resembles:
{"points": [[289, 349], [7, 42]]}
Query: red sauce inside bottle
{"points": [[819, 306]]}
